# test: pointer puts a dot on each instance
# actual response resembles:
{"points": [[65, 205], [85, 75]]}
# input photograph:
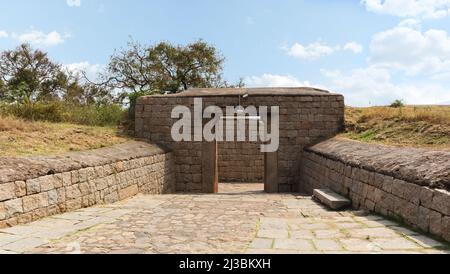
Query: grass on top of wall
{"points": [[417, 126], [20, 137]]}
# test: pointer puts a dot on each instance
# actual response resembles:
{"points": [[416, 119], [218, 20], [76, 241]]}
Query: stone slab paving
{"points": [[241, 219]]}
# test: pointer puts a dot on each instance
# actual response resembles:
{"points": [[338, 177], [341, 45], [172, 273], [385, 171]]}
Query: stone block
{"points": [[446, 228], [66, 178], [118, 167], [3, 214], [84, 188], [369, 205], [80, 176], [73, 192], [411, 193], [21, 188], [101, 184], [35, 201], [53, 198], [73, 204], [91, 175], [75, 177], [398, 188], [24, 218], [386, 182], [424, 219], [48, 183], [33, 186], [128, 192], [61, 192], [7, 191], [426, 197], [14, 207], [435, 223], [331, 199], [88, 200], [111, 198], [410, 213], [441, 202]]}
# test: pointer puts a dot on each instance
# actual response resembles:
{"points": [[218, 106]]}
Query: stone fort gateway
{"points": [[408, 185], [306, 116]]}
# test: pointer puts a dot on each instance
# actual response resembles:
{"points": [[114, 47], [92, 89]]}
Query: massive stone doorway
{"points": [[213, 174]]}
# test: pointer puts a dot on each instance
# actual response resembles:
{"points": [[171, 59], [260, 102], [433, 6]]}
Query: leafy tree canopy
{"points": [[29, 75], [165, 68]]}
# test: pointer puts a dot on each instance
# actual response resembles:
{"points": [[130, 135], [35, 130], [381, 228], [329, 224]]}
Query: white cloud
{"points": [[362, 87], [316, 50], [410, 23], [273, 80], [404, 49], [40, 38], [309, 52], [73, 3], [410, 8], [411, 50], [91, 70], [3, 34], [374, 86], [354, 47]]}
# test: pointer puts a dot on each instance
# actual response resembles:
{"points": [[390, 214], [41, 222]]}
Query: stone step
{"points": [[331, 199]]}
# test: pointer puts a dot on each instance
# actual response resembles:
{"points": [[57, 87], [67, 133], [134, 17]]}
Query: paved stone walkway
{"points": [[241, 219]]}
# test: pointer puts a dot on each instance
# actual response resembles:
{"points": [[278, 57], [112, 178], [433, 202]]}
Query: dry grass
{"points": [[430, 114], [420, 126], [16, 125], [24, 138]]}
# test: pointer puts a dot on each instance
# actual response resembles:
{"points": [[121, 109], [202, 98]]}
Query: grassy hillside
{"points": [[418, 126], [22, 138]]}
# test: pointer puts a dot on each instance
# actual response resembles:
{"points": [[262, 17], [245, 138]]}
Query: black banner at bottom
{"points": [[224, 263]]}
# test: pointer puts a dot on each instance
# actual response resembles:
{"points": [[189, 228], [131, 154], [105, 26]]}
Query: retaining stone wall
{"points": [[410, 185], [35, 187]]}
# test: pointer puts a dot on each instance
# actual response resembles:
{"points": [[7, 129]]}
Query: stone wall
{"points": [[307, 116], [240, 162], [35, 187], [410, 185]]}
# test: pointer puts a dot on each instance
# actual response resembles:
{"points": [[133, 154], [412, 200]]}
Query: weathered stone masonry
{"points": [[240, 162], [36, 187], [410, 185], [307, 116]]}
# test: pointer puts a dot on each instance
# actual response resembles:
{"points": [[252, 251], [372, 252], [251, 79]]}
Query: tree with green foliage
{"points": [[30, 76], [164, 68], [85, 93]]}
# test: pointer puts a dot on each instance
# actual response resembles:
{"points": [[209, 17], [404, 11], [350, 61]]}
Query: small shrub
{"points": [[51, 112], [92, 115], [397, 104]]}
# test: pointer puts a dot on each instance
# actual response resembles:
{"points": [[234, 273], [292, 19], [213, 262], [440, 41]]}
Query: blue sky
{"points": [[372, 51]]}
